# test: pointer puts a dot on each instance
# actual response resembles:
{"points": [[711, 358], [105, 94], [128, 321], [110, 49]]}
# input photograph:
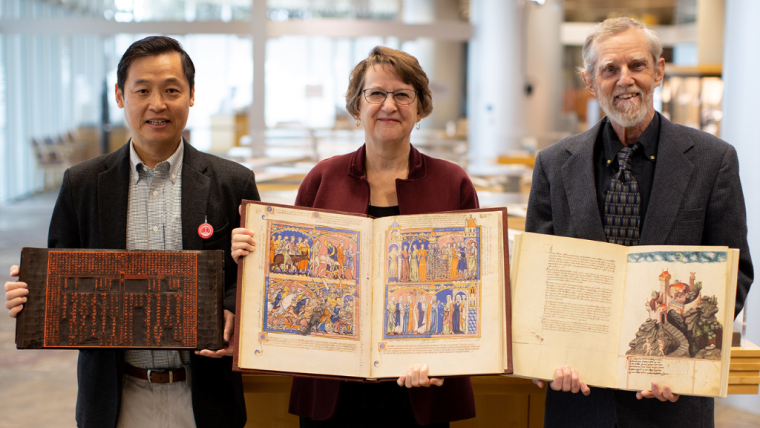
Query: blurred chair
{"points": [[77, 147], [53, 158]]}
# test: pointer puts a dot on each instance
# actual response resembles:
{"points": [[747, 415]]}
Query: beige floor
{"points": [[38, 388]]}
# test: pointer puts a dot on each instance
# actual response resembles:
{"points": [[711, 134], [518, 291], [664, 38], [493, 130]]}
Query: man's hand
{"points": [[229, 328], [242, 243], [663, 395], [418, 376], [566, 379], [15, 294]]}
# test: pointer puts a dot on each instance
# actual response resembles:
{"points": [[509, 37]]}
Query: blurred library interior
{"points": [[271, 78]]}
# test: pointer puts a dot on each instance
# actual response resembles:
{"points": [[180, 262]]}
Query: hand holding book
{"points": [[417, 376], [666, 394], [140, 299], [242, 243], [566, 379], [15, 294], [630, 318], [343, 295], [227, 349]]}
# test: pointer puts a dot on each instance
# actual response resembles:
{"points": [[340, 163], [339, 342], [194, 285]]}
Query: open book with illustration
{"points": [[344, 295], [624, 316]]}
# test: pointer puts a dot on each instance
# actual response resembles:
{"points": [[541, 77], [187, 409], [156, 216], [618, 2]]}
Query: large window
{"points": [[307, 77], [223, 78], [49, 85], [53, 84]]}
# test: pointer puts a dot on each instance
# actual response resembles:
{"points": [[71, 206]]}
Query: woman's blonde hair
{"points": [[406, 68]]}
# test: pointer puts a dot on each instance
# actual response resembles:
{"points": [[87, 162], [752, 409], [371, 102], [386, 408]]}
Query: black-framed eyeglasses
{"points": [[378, 96]]}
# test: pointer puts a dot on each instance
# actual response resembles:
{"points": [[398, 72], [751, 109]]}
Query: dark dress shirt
{"points": [[642, 162]]}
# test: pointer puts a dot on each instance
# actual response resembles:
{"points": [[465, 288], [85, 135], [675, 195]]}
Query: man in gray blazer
{"points": [[687, 192], [153, 194]]}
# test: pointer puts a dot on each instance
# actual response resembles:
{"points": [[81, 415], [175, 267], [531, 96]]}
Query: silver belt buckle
{"points": [[149, 372]]}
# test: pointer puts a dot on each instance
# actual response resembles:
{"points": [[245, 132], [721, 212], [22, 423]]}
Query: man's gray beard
{"points": [[626, 119]]}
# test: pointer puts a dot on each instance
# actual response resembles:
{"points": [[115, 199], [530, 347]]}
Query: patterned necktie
{"points": [[622, 203]]}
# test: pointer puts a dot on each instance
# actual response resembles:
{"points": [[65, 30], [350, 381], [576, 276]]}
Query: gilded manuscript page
{"points": [[438, 294], [566, 307], [306, 292], [678, 302]]}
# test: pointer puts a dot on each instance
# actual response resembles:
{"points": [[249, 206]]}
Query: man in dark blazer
{"points": [[690, 194], [98, 200]]}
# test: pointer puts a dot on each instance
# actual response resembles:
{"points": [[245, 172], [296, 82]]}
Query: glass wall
{"points": [[307, 78], [56, 85], [46, 90], [177, 10], [223, 84], [240, 10], [380, 10]]}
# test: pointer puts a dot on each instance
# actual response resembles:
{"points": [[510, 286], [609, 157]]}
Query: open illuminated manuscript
{"points": [[345, 295], [624, 316], [121, 299]]}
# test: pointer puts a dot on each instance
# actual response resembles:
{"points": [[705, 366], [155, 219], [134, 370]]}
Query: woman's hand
{"points": [[566, 379], [418, 376], [242, 243], [666, 394]]}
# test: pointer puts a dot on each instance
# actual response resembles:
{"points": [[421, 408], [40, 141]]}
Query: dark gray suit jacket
{"points": [[696, 199], [91, 212]]}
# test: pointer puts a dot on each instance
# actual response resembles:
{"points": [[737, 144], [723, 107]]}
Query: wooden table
{"points": [[499, 400], [744, 370]]}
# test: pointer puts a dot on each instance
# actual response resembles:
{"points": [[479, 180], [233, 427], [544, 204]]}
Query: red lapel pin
{"points": [[205, 230]]}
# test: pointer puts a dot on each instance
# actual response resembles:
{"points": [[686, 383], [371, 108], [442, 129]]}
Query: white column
{"points": [[543, 62], [514, 83], [710, 20], [256, 122], [495, 81], [442, 61], [740, 112]]}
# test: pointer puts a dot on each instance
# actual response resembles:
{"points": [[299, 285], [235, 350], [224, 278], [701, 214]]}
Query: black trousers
{"points": [[381, 405]]}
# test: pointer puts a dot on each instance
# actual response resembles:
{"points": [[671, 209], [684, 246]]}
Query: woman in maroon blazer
{"points": [[388, 93]]}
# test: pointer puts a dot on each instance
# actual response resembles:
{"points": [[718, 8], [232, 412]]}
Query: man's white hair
{"points": [[611, 27]]}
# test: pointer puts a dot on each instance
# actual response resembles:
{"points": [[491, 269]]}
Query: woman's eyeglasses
{"points": [[378, 96]]}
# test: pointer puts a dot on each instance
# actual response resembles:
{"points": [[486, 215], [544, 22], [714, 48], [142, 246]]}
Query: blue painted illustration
{"points": [[312, 280], [432, 281], [310, 307], [313, 251]]}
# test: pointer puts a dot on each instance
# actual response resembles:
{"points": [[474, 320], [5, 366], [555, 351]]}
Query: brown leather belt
{"points": [[156, 376]]}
